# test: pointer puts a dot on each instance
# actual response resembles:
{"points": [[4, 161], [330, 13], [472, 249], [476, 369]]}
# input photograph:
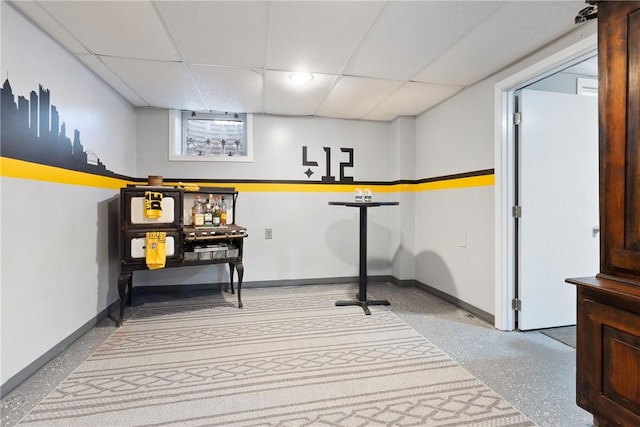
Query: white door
{"points": [[558, 195]]}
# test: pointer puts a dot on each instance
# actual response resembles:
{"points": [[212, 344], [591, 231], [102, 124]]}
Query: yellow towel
{"points": [[156, 249], [152, 204], [188, 187]]}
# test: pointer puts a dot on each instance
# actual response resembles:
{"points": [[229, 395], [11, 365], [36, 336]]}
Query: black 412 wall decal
{"points": [[328, 177]]}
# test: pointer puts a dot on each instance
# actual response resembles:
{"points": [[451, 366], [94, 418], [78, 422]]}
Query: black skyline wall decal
{"points": [[30, 130]]}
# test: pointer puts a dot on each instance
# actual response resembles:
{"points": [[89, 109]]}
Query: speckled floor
{"points": [[532, 371]]}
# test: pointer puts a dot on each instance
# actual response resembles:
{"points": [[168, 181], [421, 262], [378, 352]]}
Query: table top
{"points": [[364, 204]]}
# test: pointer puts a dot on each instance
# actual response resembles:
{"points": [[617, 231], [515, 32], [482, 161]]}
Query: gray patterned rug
{"points": [[283, 360]]}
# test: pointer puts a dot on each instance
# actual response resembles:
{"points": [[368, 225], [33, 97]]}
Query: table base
{"points": [[361, 297], [364, 304]]}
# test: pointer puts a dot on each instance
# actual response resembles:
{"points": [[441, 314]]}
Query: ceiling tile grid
{"points": [[371, 60]]}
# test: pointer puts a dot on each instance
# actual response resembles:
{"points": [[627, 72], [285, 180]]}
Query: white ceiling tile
{"points": [[288, 98], [412, 99], [515, 29], [130, 29], [218, 32], [112, 79], [354, 97], [317, 36], [409, 35], [229, 89], [160, 84], [48, 24]]}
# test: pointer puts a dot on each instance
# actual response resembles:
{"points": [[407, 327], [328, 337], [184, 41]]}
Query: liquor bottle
{"points": [[223, 213], [194, 210], [197, 215], [230, 211], [216, 214], [208, 212]]}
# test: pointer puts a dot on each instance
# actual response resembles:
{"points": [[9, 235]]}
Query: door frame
{"points": [[504, 160]]}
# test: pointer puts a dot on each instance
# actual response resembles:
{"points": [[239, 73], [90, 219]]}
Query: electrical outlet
{"points": [[268, 233]]}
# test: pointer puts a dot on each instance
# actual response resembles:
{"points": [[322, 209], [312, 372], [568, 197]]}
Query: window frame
{"points": [[177, 133]]}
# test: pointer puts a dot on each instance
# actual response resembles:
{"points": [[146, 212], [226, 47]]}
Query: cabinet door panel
{"points": [[632, 203], [609, 361], [619, 50], [137, 212], [621, 365], [138, 247], [134, 247], [133, 208]]}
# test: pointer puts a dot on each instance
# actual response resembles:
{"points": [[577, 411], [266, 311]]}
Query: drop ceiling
{"points": [[371, 60]]}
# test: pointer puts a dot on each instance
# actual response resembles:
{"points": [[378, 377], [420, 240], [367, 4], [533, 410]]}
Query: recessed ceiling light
{"points": [[301, 77]]}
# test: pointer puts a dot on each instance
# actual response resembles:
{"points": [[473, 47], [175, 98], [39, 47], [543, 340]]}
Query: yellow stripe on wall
{"points": [[26, 170], [447, 184], [313, 187], [13, 168]]}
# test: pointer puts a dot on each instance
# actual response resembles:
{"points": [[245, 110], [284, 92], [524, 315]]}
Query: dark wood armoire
{"points": [[608, 324]]}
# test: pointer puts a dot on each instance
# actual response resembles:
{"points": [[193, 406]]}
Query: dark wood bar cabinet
{"points": [[185, 244], [608, 323]]}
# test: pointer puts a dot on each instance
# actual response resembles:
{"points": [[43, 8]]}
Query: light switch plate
{"points": [[462, 240]]}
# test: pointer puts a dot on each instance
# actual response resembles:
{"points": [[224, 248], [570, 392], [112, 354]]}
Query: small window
{"points": [[210, 136]]}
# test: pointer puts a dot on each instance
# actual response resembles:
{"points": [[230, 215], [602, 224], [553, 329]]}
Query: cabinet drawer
{"points": [[135, 242]]}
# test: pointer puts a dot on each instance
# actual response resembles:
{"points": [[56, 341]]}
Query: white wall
{"points": [[310, 238], [454, 227], [403, 167], [55, 274], [277, 154]]}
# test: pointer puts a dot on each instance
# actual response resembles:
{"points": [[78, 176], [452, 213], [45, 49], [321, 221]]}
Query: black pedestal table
{"points": [[362, 290]]}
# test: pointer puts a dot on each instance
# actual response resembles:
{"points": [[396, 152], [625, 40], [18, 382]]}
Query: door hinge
{"points": [[516, 211], [516, 304], [517, 118]]}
